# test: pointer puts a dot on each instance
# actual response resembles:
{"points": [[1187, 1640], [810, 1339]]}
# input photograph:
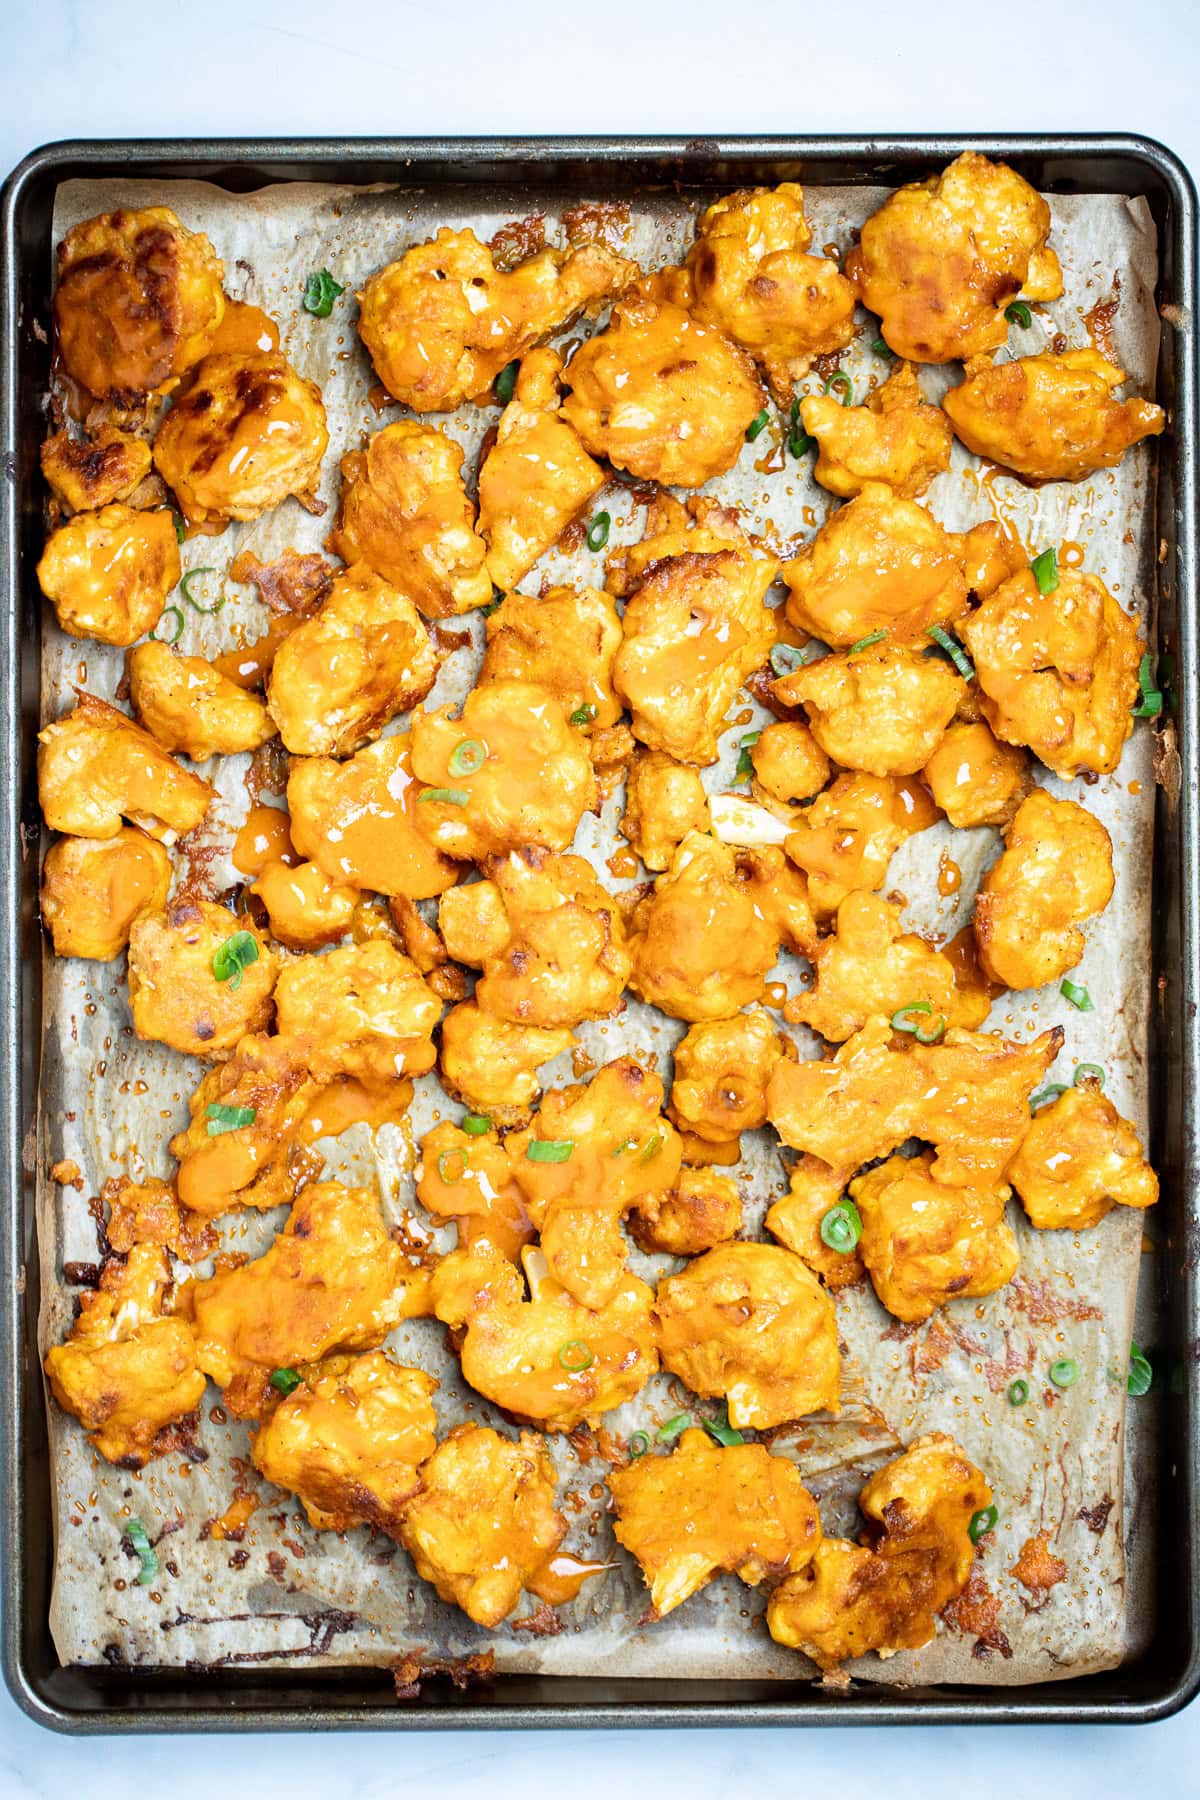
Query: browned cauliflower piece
{"points": [[491, 1065], [242, 1146], [200, 977], [882, 709], [789, 764], [107, 574], [359, 821], [91, 472], [1056, 871], [848, 836], [974, 778], [93, 889], [305, 909], [363, 1010], [1078, 1160], [467, 1177], [721, 1070], [925, 1242], [664, 801], [895, 437], [189, 705], [564, 640], [703, 1208], [814, 1189], [1050, 417]]}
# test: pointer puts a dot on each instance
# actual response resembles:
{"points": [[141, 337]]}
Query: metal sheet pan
{"points": [[1169, 1671]]}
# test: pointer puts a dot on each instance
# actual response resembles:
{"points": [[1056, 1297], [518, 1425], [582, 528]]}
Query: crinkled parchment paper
{"points": [[110, 1103]]}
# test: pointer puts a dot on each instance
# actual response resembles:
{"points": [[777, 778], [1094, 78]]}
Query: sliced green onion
{"points": [[492, 606], [872, 637], [798, 441], [467, 757], [1141, 1375], [841, 387], [597, 531], [549, 1150], [583, 715], [638, 1445], [180, 528], [1065, 1372], [982, 1523], [320, 292], [674, 1427], [745, 762], [901, 1022], [505, 384], [284, 1381], [1088, 1072], [576, 1356], [653, 1147], [1045, 1095], [232, 958], [842, 1227], [1019, 314], [1018, 1393], [880, 348], [185, 588], [445, 1163], [139, 1541], [228, 1118], [1150, 703], [757, 426], [168, 612], [954, 651], [723, 1432], [786, 659], [1045, 571], [475, 1125], [628, 1144], [449, 796], [1079, 997]]}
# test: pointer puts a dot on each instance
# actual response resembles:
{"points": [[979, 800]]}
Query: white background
{"points": [[146, 68]]}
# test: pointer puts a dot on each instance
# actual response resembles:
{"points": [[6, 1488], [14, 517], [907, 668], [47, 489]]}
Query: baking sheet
{"points": [[110, 1103]]}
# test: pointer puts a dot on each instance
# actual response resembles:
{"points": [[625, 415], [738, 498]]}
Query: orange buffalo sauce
{"points": [[244, 330], [250, 666], [358, 821], [561, 1576], [949, 875], [266, 837], [347, 1102]]}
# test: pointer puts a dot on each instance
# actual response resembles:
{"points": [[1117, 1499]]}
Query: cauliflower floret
{"points": [[1079, 1159], [189, 705], [405, 512], [537, 476], [942, 258], [138, 301], [848, 836], [1056, 871], [703, 1509], [245, 1151], [882, 709], [1058, 671], [483, 1521], [664, 801], [702, 1209], [247, 432], [442, 322], [200, 977], [1050, 417], [149, 1212], [467, 1178], [564, 640], [795, 1220], [721, 1071], [107, 574], [505, 771], [789, 764], [925, 1243], [748, 1323], [91, 472], [661, 395], [127, 1371], [305, 909], [93, 889], [895, 437], [491, 1065], [867, 967], [350, 1439], [363, 1010], [338, 678], [974, 778], [709, 932], [358, 821]]}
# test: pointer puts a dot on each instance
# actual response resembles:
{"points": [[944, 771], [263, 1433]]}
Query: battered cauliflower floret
{"points": [[721, 1069], [200, 977], [661, 395], [305, 909], [338, 678], [1055, 872], [974, 778], [241, 1146], [750, 276], [593, 1153], [789, 764], [537, 476], [966, 1095], [664, 801], [564, 640], [709, 932], [405, 512], [868, 967], [483, 1521], [350, 1440], [94, 888], [848, 836], [1079, 1159], [332, 1280], [491, 1065], [247, 432], [442, 322], [358, 821], [795, 1220], [127, 1370], [363, 1010], [694, 627], [149, 1212], [467, 1178], [107, 574], [749, 1324], [548, 937], [515, 772], [702, 1209], [926, 1243], [189, 705], [942, 258], [138, 301], [1048, 417], [895, 437], [1058, 671], [545, 1358], [916, 1554], [882, 709], [91, 472], [702, 1509]]}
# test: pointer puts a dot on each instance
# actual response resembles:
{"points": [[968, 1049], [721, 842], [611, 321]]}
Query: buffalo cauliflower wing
{"points": [[974, 778], [882, 709], [789, 764], [200, 977], [359, 821], [242, 1145], [467, 1178], [1078, 1160], [189, 705], [305, 909], [362, 1010], [814, 1189], [564, 640], [721, 1070], [664, 801], [107, 574], [895, 437], [91, 472], [1049, 417], [94, 888], [703, 1208], [1055, 872], [491, 1064], [848, 836], [925, 1242]]}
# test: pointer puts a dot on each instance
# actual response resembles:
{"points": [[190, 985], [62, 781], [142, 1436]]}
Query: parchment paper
{"points": [[110, 1102]]}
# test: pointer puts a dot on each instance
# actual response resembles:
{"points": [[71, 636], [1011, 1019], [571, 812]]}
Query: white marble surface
{"points": [[125, 68]]}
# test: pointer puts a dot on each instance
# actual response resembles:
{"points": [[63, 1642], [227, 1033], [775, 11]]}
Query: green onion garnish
{"points": [[475, 1125], [872, 637], [723, 1431], [185, 588], [954, 651], [160, 637], [583, 715], [1045, 571], [228, 1118], [492, 606], [233, 957], [1045, 1095], [674, 1428], [1150, 703], [880, 348], [139, 1541], [638, 1445], [180, 528], [576, 1356], [450, 796], [505, 384], [468, 757], [902, 1022], [1018, 1393], [982, 1523], [786, 659], [757, 426], [1065, 1372], [1141, 1375], [597, 531], [841, 387], [320, 292], [798, 441], [745, 762], [842, 1227], [284, 1381], [1019, 314], [450, 1172], [1088, 1072], [549, 1150], [653, 1147], [1079, 997]]}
